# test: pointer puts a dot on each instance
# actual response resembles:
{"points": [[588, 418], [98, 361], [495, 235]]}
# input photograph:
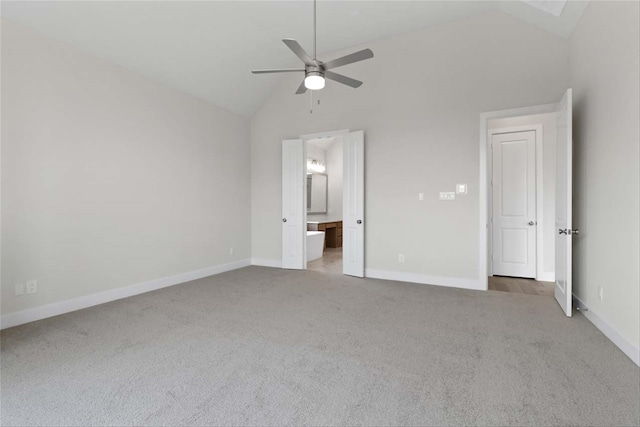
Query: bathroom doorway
{"points": [[324, 203]]}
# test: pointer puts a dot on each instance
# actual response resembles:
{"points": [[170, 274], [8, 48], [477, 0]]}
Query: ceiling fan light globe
{"points": [[314, 81]]}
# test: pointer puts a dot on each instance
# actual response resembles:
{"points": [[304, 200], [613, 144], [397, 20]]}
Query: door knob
{"points": [[284, 219], [532, 223], [359, 221], [576, 232]]}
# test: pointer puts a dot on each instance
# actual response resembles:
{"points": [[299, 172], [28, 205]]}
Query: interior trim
{"points": [[275, 263], [614, 336], [451, 282], [57, 308]]}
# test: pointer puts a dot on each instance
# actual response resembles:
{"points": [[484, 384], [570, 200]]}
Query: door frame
{"points": [[306, 137], [539, 193], [483, 206]]}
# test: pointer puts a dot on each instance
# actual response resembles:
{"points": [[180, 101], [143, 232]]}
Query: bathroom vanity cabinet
{"points": [[332, 230]]}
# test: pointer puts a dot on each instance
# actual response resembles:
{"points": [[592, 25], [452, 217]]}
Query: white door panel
{"points": [[514, 204], [564, 236], [353, 204], [293, 204]]}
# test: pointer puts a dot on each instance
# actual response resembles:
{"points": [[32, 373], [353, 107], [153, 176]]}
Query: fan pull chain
{"points": [[311, 101]]}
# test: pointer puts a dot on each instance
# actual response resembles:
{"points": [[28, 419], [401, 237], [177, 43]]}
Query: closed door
{"points": [[353, 204], [293, 204], [514, 204], [564, 225]]}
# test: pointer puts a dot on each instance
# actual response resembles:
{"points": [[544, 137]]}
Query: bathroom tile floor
{"points": [[331, 261]]}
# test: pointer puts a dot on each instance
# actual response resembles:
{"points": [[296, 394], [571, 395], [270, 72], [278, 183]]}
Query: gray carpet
{"points": [[261, 346]]}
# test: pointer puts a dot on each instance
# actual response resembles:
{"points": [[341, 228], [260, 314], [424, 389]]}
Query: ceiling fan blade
{"points": [[348, 59], [301, 89], [342, 79], [276, 70], [298, 50]]}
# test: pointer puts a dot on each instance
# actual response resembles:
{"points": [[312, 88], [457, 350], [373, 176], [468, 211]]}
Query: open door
{"points": [[564, 236], [293, 204], [353, 204]]}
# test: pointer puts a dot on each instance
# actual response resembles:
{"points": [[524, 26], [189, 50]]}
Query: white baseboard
{"points": [[621, 342], [55, 309], [275, 263], [400, 276], [548, 276]]}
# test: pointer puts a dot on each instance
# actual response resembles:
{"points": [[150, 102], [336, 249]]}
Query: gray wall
{"points": [[604, 75], [110, 179], [419, 108]]}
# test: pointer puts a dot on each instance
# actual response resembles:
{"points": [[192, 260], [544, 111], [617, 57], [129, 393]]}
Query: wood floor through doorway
{"points": [[520, 285]]}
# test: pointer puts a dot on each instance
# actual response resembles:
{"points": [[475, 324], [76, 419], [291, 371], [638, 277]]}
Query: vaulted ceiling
{"points": [[207, 48]]}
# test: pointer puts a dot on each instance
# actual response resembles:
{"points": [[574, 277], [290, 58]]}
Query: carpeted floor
{"points": [[262, 346]]}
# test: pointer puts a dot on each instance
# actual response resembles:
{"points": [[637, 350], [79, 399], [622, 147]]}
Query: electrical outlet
{"points": [[447, 195], [600, 293], [19, 289], [231, 251], [32, 286], [401, 258]]}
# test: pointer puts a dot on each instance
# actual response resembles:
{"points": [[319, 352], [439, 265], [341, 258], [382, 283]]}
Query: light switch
{"points": [[420, 196], [447, 195], [461, 188], [32, 286]]}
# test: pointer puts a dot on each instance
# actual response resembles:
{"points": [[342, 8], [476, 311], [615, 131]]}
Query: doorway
{"points": [[525, 200], [324, 204], [316, 221], [516, 200]]}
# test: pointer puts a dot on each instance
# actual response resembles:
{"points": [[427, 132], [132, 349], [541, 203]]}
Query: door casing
{"points": [[485, 178]]}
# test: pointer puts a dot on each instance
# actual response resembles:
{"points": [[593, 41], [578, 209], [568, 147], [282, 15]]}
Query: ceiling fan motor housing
{"points": [[314, 70]]}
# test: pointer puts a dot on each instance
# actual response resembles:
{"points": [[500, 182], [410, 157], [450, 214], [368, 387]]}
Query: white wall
{"points": [[549, 130], [110, 179], [319, 154], [419, 108], [604, 57], [316, 153], [334, 173]]}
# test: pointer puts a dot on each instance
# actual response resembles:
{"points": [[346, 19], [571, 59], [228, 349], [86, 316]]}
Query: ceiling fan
{"points": [[315, 71]]}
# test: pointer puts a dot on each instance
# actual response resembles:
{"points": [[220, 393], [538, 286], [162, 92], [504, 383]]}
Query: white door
{"points": [[564, 236], [293, 204], [514, 204], [353, 204]]}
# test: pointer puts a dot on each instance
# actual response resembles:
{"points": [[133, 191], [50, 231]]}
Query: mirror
{"points": [[317, 193]]}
